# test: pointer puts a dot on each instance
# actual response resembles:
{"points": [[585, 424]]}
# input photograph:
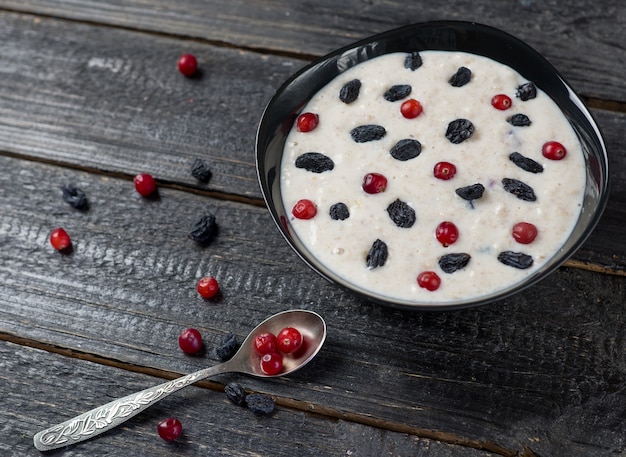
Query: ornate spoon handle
{"points": [[106, 417]]}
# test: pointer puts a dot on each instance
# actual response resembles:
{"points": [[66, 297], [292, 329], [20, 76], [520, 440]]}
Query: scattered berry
{"points": [[461, 77], [501, 102], [200, 170], [519, 120], [406, 149], [459, 130], [413, 61], [429, 280], [170, 429], [447, 233], [190, 341], [411, 108], [397, 92], [374, 183], [553, 150], [235, 393], [204, 230], [272, 363], [75, 197], [525, 163], [264, 343], [339, 212], [60, 240], [207, 287], [450, 263], [377, 255], [260, 404], [401, 214], [520, 189], [145, 184], [228, 347], [350, 91], [526, 91], [304, 209], [369, 132], [516, 259], [289, 340], [471, 193], [315, 162], [188, 65], [307, 122], [524, 232], [444, 170]]}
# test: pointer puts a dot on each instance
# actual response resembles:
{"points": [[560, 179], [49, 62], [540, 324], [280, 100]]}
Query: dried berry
{"points": [[525, 163], [228, 347], [406, 149], [75, 197], [350, 91], [413, 61], [459, 130], [368, 132], [200, 170], [204, 230], [461, 77], [516, 259], [401, 214], [377, 256], [260, 404], [526, 91], [469, 193], [521, 190], [235, 393], [450, 263], [315, 162], [397, 92], [339, 212], [519, 120]]}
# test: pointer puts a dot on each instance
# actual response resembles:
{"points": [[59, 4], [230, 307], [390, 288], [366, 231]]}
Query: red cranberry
{"points": [[429, 280], [169, 429], [553, 150], [524, 232], [188, 65], [444, 170], [304, 209], [447, 233], [307, 122], [289, 340], [60, 240], [501, 102], [145, 184], [208, 287], [264, 343], [272, 363], [374, 183], [190, 341], [411, 108]]}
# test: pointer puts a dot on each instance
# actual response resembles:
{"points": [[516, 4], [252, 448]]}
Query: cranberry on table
{"points": [[289, 340], [264, 343], [272, 363], [188, 65], [170, 429], [307, 122], [374, 183], [411, 108], [145, 184], [190, 341], [304, 209], [501, 102], [524, 232], [59, 239], [444, 170], [447, 233], [429, 280], [207, 287], [553, 150]]}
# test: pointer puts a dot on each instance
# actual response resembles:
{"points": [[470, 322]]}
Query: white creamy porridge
{"points": [[484, 224]]}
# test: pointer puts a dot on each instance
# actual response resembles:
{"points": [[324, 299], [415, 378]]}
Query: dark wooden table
{"points": [[90, 96]]}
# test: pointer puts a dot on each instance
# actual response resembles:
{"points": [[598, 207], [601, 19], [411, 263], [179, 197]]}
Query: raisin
{"points": [[413, 61], [227, 348], [315, 162], [350, 91], [526, 91], [459, 130], [204, 230], [235, 393], [521, 190], [401, 214], [397, 92], [200, 170], [516, 259], [519, 120], [368, 132], [377, 256], [75, 197], [339, 212], [260, 404], [525, 163], [450, 263], [461, 77], [472, 192], [406, 149]]}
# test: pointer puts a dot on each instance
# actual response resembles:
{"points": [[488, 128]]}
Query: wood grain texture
{"points": [[542, 370]]}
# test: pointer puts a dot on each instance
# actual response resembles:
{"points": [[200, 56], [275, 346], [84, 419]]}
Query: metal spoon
{"points": [[106, 417]]}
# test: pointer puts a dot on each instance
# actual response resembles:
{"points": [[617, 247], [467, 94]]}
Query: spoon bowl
{"points": [[246, 361]]}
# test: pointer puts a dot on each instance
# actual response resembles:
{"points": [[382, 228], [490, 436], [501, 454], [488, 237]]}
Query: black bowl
{"points": [[286, 104]]}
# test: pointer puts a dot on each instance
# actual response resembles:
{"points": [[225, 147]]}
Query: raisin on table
{"points": [[516, 259], [450, 263], [75, 197], [204, 230], [368, 132], [459, 130], [350, 91], [377, 255], [520, 189], [200, 170], [315, 162], [406, 149], [461, 77], [397, 92], [401, 214], [260, 404], [236, 393], [227, 348]]}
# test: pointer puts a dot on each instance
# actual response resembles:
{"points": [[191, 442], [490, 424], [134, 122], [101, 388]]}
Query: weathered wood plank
{"points": [[583, 40], [545, 369]]}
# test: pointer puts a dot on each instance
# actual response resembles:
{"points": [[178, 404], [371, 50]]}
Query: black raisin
{"points": [[204, 230], [369, 132], [260, 404], [525, 163], [406, 149], [200, 170], [75, 197], [227, 348], [397, 92], [526, 91], [450, 263], [377, 256], [339, 212], [459, 130], [521, 190], [315, 162], [236, 393], [472, 192], [519, 120], [413, 61], [461, 77], [516, 259], [350, 91], [401, 214]]}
